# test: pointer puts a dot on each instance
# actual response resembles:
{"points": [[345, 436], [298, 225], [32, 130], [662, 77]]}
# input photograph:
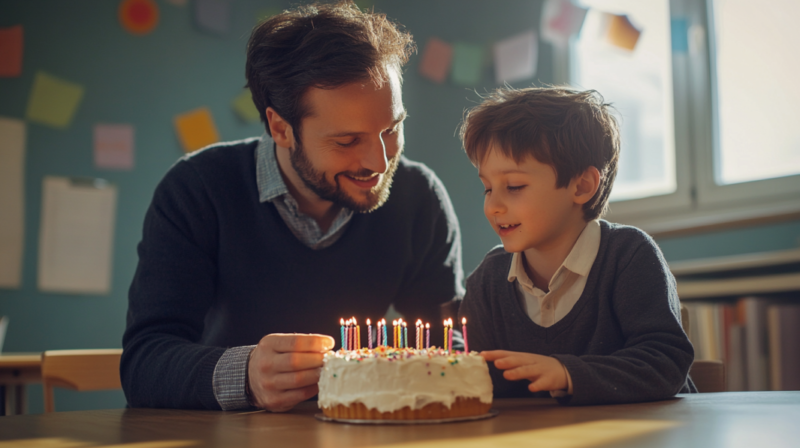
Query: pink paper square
{"points": [[113, 146], [436, 60]]}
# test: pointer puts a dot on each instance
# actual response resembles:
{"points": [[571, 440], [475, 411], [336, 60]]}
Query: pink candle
{"points": [[369, 334], [450, 335], [428, 335], [464, 330]]}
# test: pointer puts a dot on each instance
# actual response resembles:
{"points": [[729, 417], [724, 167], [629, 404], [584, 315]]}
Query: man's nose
{"points": [[374, 156]]}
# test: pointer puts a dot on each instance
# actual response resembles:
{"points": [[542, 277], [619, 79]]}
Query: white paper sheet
{"points": [[515, 58], [76, 237], [561, 19], [12, 201]]}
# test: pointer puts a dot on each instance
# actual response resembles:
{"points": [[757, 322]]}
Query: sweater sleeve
{"points": [[654, 362], [436, 275], [163, 364]]}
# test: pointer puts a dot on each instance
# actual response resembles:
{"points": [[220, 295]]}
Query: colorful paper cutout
{"points": [[138, 16], [467, 64], [113, 146], [515, 58], [621, 32], [196, 129], [436, 60], [561, 19], [213, 15], [244, 107], [11, 51], [53, 101], [680, 35]]}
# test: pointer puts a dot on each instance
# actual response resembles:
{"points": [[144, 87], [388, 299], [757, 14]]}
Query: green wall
{"points": [[146, 80]]}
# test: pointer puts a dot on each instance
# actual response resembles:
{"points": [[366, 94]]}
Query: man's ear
{"points": [[280, 129], [586, 185]]}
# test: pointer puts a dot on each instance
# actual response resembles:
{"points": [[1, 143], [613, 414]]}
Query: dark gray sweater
{"points": [[621, 342]]}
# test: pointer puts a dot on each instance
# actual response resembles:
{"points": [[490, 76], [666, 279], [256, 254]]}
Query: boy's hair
{"points": [[320, 45], [567, 129]]}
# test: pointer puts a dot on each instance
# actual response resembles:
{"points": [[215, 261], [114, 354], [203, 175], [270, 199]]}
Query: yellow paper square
{"points": [[196, 129], [53, 101], [244, 107]]}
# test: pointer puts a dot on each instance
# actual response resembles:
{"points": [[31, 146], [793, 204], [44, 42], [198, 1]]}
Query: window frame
{"points": [[698, 203]]}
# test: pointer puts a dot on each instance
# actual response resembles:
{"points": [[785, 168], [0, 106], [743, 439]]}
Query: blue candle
{"points": [[385, 340], [341, 322], [405, 335]]}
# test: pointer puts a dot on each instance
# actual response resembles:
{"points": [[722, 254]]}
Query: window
{"points": [[709, 119]]}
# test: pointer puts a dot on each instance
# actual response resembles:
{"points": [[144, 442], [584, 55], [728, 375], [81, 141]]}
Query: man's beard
{"points": [[316, 182]]}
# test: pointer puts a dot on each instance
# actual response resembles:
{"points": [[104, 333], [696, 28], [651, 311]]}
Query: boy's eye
{"points": [[515, 187], [487, 191]]}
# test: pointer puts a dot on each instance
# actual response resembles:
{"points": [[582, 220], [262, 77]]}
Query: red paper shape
{"points": [[138, 16], [11, 52], [436, 60]]}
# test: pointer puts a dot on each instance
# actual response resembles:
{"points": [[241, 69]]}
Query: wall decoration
{"points": [[196, 129], [436, 60], [561, 19], [467, 64], [244, 107], [11, 51], [515, 58], [113, 146], [213, 15], [138, 17], [53, 101]]}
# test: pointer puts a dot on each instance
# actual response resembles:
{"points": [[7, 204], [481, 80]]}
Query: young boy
{"points": [[582, 308]]}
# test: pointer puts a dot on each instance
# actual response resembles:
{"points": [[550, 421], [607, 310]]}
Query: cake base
{"points": [[463, 407]]}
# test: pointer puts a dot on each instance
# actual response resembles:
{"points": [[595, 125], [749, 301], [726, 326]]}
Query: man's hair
{"points": [[567, 129], [324, 46]]}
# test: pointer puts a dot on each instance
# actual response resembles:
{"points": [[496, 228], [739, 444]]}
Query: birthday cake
{"points": [[403, 384]]}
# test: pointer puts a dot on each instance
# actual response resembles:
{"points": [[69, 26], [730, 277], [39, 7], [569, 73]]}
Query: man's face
{"points": [[351, 143]]}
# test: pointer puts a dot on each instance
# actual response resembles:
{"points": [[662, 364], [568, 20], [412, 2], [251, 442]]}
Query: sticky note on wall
{"points": [[680, 35], [436, 60], [53, 101], [244, 107], [11, 51], [213, 15], [561, 19], [621, 32], [196, 129], [467, 64], [515, 58], [113, 146]]}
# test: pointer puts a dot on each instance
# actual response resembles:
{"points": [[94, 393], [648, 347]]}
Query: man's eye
{"points": [[346, 144], [515, 188]]}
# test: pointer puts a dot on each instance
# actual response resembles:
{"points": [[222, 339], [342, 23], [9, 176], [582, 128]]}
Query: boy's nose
{"points": [[493, 205]]}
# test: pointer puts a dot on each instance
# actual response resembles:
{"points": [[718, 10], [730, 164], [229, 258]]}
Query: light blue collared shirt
{"points": [[230, 371]]}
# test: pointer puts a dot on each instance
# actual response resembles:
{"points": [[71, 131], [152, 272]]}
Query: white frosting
{"points": [[412, 378]]}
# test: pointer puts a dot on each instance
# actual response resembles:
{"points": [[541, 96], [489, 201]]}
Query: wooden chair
{"points": [[708, 375], [96, 369]]}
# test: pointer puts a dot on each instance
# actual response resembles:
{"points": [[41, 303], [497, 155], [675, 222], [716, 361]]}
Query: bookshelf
{"points": [[744, 310]]}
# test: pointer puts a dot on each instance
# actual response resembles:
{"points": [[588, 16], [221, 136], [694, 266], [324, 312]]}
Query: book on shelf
{"points": [[757, 339]]}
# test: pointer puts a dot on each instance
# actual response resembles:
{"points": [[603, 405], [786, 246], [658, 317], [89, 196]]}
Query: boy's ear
{"points": [[280, 129], [586, 185]]}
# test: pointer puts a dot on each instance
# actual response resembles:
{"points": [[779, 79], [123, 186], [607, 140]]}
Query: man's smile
{"points": [[364, 182]]}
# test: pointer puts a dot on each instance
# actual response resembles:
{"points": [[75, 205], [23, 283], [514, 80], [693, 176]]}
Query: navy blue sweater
{"points": [[621, 342], [217, 269]]}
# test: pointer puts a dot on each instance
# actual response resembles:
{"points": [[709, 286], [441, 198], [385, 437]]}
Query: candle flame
{"points": [[404, 324], [354, 321], [368, 322], [428, 325], [419, 322], [394, 322], [463, 321]]}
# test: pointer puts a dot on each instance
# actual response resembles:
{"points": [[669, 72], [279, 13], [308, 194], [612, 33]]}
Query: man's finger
{"points": [[515, 360], [282, 382], [294, 361], [528, 371], [283, 401], [493, 355], [310, 343]]}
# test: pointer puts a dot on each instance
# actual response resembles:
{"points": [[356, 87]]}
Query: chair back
{"points": [[708, 375], [82, 370]]}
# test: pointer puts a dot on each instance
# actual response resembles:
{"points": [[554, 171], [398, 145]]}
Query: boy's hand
{"points": [[544, 372]]}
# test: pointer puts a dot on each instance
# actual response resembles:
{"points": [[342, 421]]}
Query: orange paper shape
{"points": [[436, 59], [138, 16], [11, 52], [622, 33], [196, 129]]}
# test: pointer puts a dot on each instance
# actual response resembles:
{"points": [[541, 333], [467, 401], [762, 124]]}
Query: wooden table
{"points": [[17, 370], [730, 419]]}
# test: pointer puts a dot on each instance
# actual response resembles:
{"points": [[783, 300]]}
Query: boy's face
{"points": [[523, 204]]}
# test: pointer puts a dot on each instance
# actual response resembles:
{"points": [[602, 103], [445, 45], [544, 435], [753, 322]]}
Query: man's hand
{"points": [[544, 372], [284, 369]]}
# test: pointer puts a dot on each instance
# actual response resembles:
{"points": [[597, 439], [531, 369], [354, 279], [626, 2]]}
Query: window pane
{"points": [[639, 84], [757, 89]]}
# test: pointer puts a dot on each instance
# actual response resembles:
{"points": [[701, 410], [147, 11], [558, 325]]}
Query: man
{"points": [[283, 235]]}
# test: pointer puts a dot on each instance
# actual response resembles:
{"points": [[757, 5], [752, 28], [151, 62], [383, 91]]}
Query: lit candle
{"points": [[369, 334], [428, 335], [464, 330], [405, 335], [341, 322], [394, 333], [358, 334], [383, 325], [445, 334], [450, 332], [418, 326]]}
